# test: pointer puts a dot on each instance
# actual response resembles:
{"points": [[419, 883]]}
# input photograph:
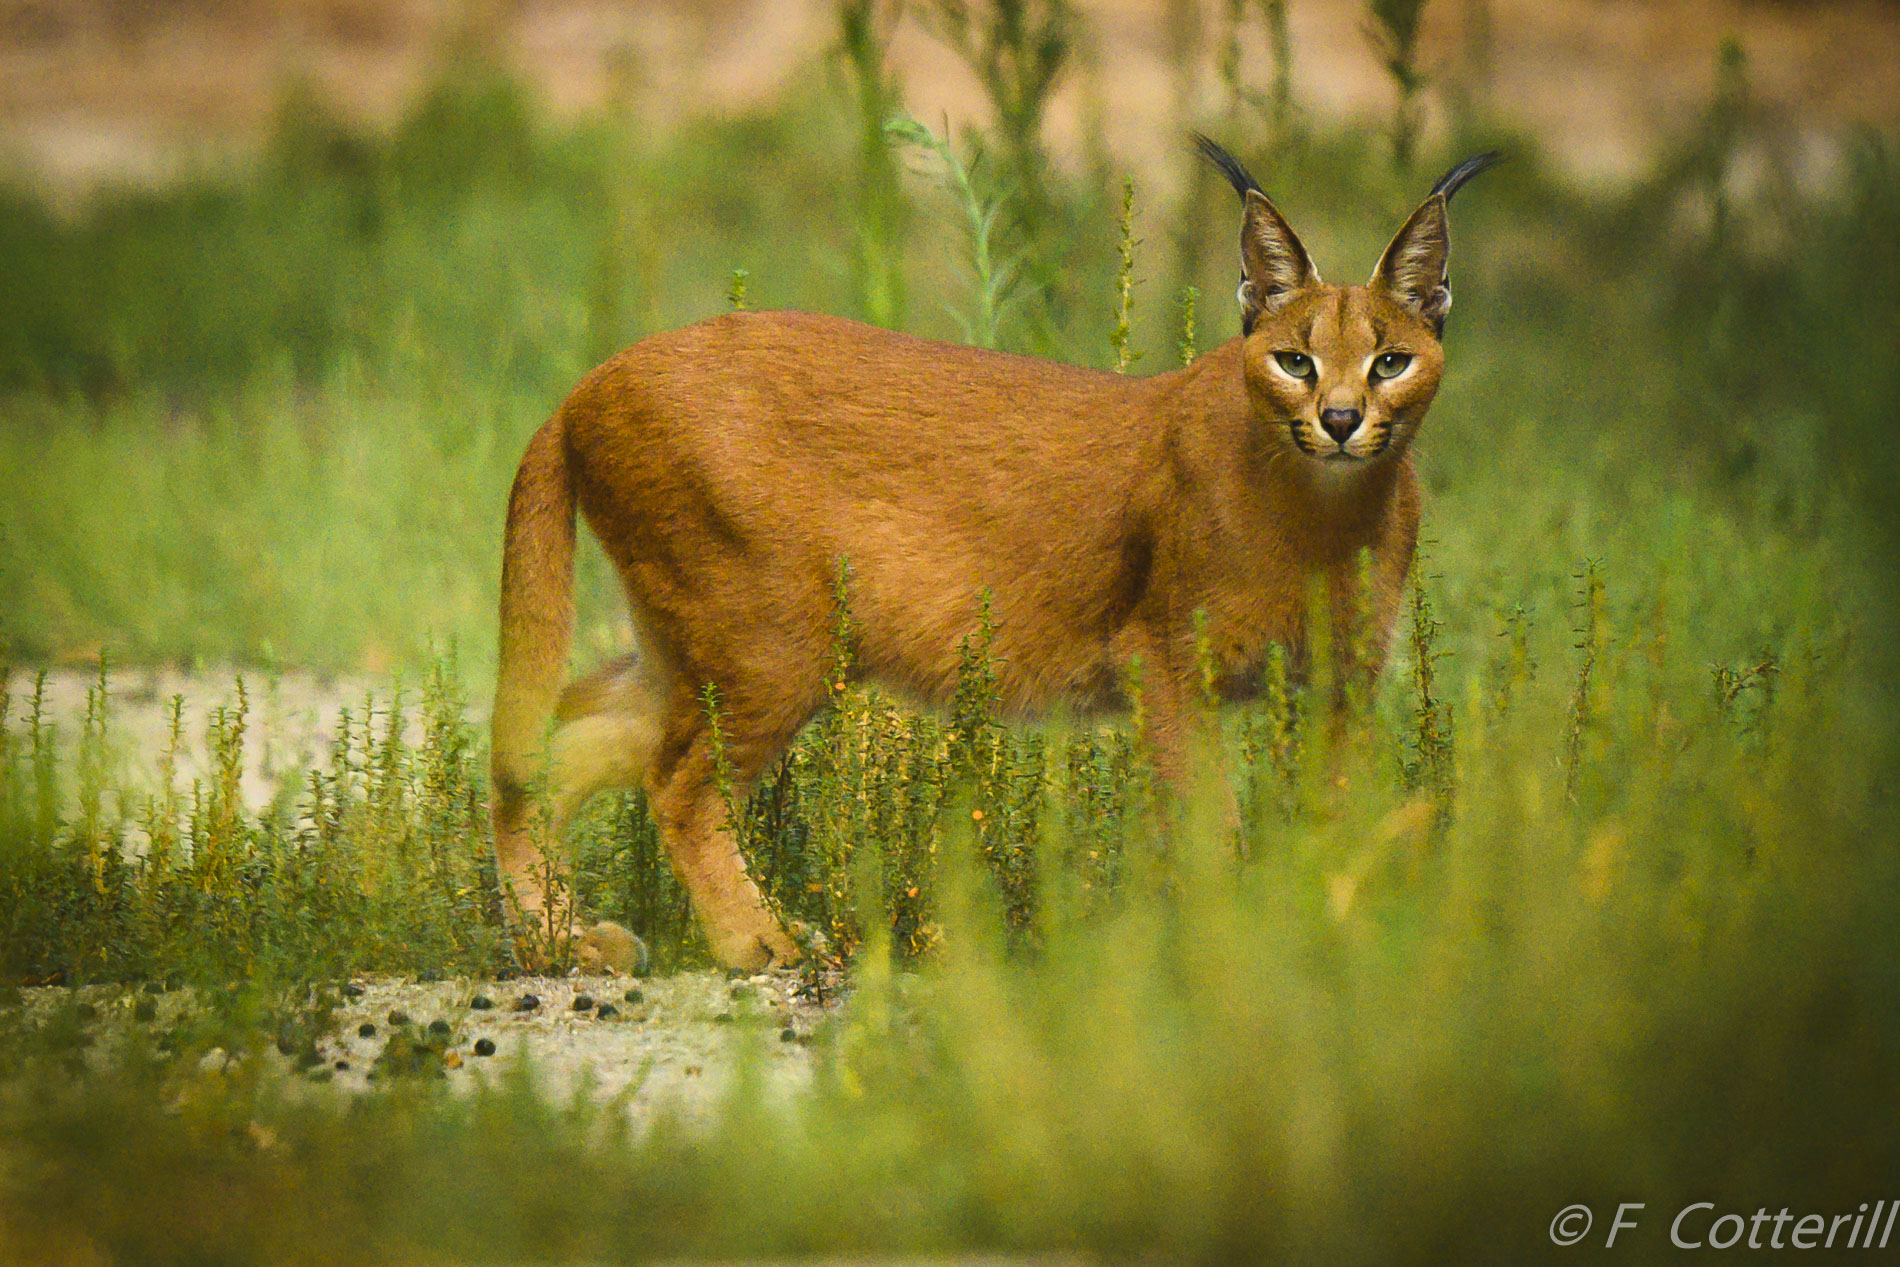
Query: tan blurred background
{"points": [[98, 91]]}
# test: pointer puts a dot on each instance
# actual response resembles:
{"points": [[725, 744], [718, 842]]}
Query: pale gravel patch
{"points": [[670, 1052], [291, 721]]}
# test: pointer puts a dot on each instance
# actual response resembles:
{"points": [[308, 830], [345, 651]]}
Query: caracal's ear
{"points": [[1274, 266], [1416, 267]]}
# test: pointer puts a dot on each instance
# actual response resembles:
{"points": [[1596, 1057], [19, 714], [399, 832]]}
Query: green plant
{"points": [[864, 28], [1392, 29], [1125, 357], [994, 280]]}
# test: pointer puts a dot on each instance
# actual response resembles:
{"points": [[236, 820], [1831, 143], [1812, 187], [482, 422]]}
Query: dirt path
{"points": [[291, 719], [651, 1045], [676, 1040]]}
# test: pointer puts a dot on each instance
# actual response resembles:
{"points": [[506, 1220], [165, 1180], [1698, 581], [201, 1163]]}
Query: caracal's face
{"points": [[1342, 375]]}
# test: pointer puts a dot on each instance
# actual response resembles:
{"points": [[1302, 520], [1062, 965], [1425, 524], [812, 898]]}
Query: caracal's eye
{"points": [[1296, 364], [1390, 364]]}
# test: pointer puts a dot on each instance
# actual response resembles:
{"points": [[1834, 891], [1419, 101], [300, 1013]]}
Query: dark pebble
{"points": [[398, 1019], [506, 974], [736, 974], [155, 987], [481, 1003], [439, 1027], [145, 1010], [366, 1030], [724, 1018], [583, 1003], [342, 1066], [634, 996], [352, 991], [607, 1012], [527, 1003], [86, 1011], [287, 1044], [788, 1035], [484, 1047]]}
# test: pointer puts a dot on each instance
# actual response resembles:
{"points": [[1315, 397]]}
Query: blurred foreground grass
{"points": [[1594, 904]]}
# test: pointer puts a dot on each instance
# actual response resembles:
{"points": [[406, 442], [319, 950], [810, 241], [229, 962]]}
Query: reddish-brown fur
{"points": [[728, 467]]}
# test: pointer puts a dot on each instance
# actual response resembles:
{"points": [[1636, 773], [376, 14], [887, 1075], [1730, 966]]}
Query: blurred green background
{"points": [[268, 410], [1596, 902]]}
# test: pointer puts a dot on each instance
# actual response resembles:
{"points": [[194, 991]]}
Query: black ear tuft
{"points": [[1416, 267], [1454, 180], [1238, 176], [1273, 264]]}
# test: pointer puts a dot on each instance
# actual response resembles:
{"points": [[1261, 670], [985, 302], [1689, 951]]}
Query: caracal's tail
{"points": [[537, 624]]}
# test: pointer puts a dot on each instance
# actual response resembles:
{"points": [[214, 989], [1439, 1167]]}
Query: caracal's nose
{"points": [[1339, 423]]}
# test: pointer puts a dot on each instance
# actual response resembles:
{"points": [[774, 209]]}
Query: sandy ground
{"points": [[677, 1042], [98, 91], [291, 718], [667, 1044]]}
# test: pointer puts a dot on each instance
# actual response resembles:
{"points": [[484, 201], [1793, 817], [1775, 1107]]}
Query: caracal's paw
{"points": [[756, 947], [604, 948], [607, 947]]}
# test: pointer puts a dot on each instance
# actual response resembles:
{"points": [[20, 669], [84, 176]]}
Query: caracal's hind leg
{"points": [[692, 817], [606, 733]]}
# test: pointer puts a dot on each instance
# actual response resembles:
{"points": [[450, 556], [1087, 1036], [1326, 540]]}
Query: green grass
{"points": [[1593, 903]]}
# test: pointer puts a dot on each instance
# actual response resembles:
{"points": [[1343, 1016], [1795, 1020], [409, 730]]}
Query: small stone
{"points": [[606, 1012], [583, 1003], [439, 1027], [484, 1047], [634, 996], [527, 1003], [366, 1030], [398, 1019], [481, 1003], [506, 974], [85, 1011], [724, 1018], [788, 1035], [342, 1066], [145, 1010], [692, 1071], [155, 987], [287, 1043], [736, 974], [351, 990]]}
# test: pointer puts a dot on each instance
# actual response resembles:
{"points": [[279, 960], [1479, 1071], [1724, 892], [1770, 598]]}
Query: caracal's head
{"points": [[1342, 374]]}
